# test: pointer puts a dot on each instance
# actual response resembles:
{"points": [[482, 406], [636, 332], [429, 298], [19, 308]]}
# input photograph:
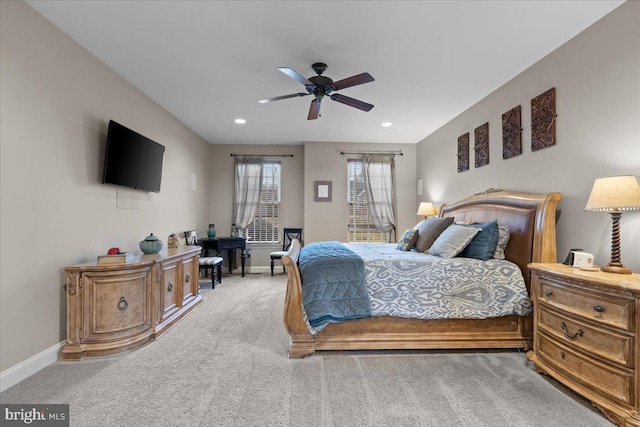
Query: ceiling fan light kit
{"points": [[319, 86]]}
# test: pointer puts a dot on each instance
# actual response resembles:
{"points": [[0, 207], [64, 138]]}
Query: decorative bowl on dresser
{"points": [[118, 307], [586, 327]]}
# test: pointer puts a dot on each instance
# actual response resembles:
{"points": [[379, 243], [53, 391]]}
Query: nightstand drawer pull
{"points": [[599, 308], [123, 304], [568, 335], [562, 355], [548, 294], [170, 287]]}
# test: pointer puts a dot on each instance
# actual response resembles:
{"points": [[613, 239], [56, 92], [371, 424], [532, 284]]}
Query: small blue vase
{"points": [[211, 232]]}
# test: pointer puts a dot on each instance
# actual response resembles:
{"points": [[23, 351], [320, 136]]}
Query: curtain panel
{"points": [[246, 193], [379, 174]]}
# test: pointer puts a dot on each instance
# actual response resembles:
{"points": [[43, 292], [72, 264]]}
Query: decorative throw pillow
{"points": [[503, 239], [453, 240], [484, 243], [429, 230], [408, 240]]}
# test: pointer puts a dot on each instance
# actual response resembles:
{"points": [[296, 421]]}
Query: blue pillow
{"points": [[484, 243]]}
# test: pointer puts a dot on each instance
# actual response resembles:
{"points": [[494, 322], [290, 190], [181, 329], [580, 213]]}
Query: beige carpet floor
{"points": [[226, 365]]}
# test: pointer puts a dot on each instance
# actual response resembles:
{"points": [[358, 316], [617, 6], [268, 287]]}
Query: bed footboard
{"points": [[302, 343]]}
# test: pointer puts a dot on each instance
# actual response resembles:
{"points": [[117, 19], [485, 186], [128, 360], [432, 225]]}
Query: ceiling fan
{"points": [[319, 86]]}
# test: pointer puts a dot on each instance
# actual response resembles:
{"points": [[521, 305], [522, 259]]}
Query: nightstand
{"points": [[586, 335]]}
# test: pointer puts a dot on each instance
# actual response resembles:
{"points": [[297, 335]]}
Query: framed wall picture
{"points": [[512, 133], [543, 120], [463, 152], [482, 145], [322, 191]]}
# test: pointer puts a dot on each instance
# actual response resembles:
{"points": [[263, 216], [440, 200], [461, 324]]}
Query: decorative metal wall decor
{"points": [[463, 152], [481, 147], [543, 120], [512, 133]]}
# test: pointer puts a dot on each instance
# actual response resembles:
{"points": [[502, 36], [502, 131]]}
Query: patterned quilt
{"points": [[417, 285]]}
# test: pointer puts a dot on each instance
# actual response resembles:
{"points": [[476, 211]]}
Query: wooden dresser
{"points": [[586, 335], [115, 308]]}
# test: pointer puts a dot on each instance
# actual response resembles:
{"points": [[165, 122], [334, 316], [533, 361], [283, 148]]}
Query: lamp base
{"points": [[619, 269]]}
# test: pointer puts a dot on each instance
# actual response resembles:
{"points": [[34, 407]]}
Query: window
{"points": [[265, 227], [360, 227]]}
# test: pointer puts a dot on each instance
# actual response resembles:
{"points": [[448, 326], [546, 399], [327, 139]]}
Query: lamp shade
{"points": [[614, 194], [426, 209]]}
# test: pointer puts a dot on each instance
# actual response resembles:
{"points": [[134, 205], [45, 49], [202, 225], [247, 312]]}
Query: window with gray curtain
{"points": [[362, 209], [265, 227], [262, 202]]}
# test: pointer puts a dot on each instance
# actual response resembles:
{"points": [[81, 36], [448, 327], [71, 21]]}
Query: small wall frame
{"points": [[481, 146], [512, 133], [322, 191], [463, 152], [543, 120]]}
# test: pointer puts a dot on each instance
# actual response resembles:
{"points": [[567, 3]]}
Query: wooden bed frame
{"points": [[531, 219]]}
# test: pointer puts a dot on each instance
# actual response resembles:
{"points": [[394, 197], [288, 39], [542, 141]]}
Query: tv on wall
{"points": [[132, 160]]}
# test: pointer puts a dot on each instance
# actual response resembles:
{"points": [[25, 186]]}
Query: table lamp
{"points": [[615, 194], [426, 209]]}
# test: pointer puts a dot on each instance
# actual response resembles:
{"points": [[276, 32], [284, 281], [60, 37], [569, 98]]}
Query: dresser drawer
{"points": [[606, 380], [617, 312], [604, 343]]}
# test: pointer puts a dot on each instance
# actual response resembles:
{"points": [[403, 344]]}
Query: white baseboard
{"points": [[258, 269], [25, 369]]}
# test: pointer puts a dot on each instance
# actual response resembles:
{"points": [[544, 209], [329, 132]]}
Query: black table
{"points": [[219, 244]]}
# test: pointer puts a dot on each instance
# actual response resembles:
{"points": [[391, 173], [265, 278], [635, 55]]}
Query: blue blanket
{"points": [[333, 286]]}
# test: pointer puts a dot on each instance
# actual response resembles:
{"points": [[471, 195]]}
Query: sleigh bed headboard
{"points": [[531, 219]]}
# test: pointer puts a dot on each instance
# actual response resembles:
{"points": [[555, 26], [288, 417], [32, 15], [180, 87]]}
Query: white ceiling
{"points": [[208, 62]]}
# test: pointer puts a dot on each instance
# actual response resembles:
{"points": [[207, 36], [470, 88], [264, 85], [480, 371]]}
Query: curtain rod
{"points": [[392, 153], [261, 155]]}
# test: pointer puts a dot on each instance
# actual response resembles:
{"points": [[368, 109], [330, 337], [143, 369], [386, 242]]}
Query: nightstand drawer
{"points": [[616, 312], [603, 343], [608, 381]]}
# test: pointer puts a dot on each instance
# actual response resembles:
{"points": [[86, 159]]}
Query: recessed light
{"points": [[240, 121], [386, 124]]}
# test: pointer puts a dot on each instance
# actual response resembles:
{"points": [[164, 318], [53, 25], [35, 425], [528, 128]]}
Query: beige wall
{"points": [[597, 81], [315, 161], [323, 162], [56, 101], [221, 192]]}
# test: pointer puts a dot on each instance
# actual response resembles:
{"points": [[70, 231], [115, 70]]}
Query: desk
{"points": [[219, 244]]}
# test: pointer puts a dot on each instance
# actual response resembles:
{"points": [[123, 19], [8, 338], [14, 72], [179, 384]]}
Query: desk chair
{"points": [[206, 262], [288, 235]]}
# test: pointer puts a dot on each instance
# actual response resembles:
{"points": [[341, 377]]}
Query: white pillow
{"points": [[453, 240]]}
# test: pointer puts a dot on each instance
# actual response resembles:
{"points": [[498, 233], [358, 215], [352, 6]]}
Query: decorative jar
{"points": [[211, 232], [172, 241], [151, 244]]}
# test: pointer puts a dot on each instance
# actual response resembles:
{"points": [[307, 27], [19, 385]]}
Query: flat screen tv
{"points": [[132, 160]]}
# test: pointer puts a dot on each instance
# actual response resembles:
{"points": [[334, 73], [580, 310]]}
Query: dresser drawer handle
{"points": [[170, 287], [123, 304], [562, 355], [568, 335], [187, 278], [548, 294], [599, 308]]}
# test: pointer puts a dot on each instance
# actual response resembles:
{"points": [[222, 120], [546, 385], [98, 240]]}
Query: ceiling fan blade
{"points": [[353, 81], [314, 110], [277, 98], [289, 72], [351, 102]]}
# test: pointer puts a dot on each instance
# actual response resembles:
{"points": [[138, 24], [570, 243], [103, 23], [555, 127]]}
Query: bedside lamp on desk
{"points": [[615, 194]]}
